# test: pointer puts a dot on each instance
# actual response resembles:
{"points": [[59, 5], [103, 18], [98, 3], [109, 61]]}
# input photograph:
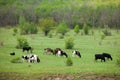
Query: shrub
{"points": [[16, 60], [86, 29], [15, 31], [76, 29], [21, 42], [61, 36], [50, 34], [103, 36], [69, 62], [32, 28], [107, 32], [118, 60], [69, 42]]}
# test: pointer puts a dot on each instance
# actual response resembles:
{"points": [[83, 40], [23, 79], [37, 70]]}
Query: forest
{"points": [[94, 13]]}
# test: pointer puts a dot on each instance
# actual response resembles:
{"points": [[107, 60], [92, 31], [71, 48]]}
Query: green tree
{"points": [[47, 25], [62, 28], [76, 29]]}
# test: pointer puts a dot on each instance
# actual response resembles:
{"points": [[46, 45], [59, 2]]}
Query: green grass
{"points": [[87, 45]]}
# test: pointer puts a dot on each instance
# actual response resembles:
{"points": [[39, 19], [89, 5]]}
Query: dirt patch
{"points": [[18, 76]]}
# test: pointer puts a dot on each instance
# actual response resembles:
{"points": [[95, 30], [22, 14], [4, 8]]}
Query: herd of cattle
{"points": [[57, 52]]}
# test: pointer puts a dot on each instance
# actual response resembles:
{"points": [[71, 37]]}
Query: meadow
{"points": [[88, 45]]}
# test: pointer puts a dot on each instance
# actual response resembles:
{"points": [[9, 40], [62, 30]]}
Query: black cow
{"points": [[76, 53], [107, 55], [46, 50], [100, 56], [27, 48], [12, 54]]}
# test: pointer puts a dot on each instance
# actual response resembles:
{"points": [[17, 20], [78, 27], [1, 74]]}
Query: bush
{"points": [[107, 32], [16, 60], [118, 60], [50, 35], [15, 31], [69, 43], [61, 36], [86, 29], [103, 36], [69, 62], [76, 29], [22, 42]]}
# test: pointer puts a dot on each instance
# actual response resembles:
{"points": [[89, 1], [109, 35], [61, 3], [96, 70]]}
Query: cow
{"points": [[12, 54], [34, 58], [56, 51], [76, 53], [27, 48], [25, 57], [100, 56], [107, 55], [31, 58], [46, 50], [62, 53]]}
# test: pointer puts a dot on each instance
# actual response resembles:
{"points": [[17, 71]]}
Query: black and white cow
{"points": [[48, 50], [107, 55], [12, 54], [62, 53], [31, 58], [27, 48], [76, 53], [100, 56], [34, 58]]}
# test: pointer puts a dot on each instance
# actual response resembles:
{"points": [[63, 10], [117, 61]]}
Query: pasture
{"points": [[88, 45]]}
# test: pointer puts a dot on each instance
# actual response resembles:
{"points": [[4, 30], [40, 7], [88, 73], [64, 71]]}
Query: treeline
{"points": [[94, 13]]}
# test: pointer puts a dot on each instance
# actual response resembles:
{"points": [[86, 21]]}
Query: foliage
{"points": [[50, 35], [62, 28], [86, 29], [16, 60], [15, 31], [69, 62], [107, 32], [21, 42], [26, 27], [118, 60], [76, 12], [103, 36], [69, 42], [76, 29], [47, 25]]}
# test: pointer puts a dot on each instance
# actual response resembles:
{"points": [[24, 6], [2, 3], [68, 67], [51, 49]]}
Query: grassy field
{"points": [[88, 46]]}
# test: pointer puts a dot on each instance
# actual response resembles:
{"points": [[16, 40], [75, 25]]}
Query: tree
{"points": [[76, 29], [62, 28], [47, 25]]}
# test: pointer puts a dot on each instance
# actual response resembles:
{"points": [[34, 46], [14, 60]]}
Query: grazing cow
{"points": [[24, 57], [62, 53], [27, 48], [31, 58], [108, 56], [56, 51], [100, 56], [12, 54], [77, 53], [46, 50], [34, 58]]}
